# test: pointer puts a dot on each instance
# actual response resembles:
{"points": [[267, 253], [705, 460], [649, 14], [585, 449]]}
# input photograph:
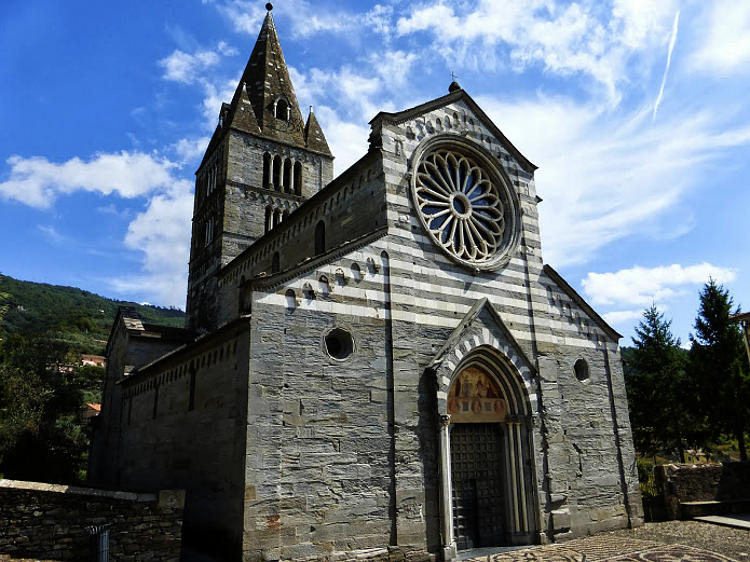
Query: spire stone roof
{"points": [[314, 137], [266, 87], [264, 102]]}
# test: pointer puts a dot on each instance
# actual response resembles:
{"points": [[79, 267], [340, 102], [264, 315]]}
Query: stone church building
{"points": [[373, 365]]}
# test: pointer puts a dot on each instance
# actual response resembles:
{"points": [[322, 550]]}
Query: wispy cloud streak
{"points": [[672, 41]]}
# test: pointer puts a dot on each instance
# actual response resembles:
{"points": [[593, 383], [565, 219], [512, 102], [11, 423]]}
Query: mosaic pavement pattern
{"points": [[613, 549]]}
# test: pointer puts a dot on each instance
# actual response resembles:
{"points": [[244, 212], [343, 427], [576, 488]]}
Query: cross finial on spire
{"points": [[453, 76]]}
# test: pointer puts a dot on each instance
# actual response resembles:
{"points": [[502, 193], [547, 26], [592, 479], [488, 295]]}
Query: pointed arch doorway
{"points": [[487, 473]]}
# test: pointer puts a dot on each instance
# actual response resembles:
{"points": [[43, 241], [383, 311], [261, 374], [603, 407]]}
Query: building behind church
{"points": [[379, 363]]}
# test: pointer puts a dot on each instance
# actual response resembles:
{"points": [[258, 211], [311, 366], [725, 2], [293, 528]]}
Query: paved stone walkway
{"points": [[690, 541], [668, 541]]}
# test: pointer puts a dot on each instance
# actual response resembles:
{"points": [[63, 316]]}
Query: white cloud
{"points": [[642, 286], [429, 17], [193, 69], [114, 210], [213, 97], [190, 150], [245, 15], [346, 100], [640, 21], [162, 233], [618, 316], [190, 68], [606, 176], [226, 49], [393, 67], [355, 95], [185, 67], [52, 234], [347, 141], [566, 39], [725, 38], [379, 19], [309, 87], [37, 182]]}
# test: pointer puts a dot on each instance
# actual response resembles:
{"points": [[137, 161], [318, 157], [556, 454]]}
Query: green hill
{"points": [[80, 318]]}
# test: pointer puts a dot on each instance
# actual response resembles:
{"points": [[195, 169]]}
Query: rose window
{"points": [[462, 207]]}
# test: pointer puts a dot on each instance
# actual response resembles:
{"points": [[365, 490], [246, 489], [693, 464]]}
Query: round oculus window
{"points": [[339, 343], [465, 205]]}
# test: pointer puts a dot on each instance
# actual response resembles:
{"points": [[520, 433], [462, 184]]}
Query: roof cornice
{"points": [[278, 279], [459, 94], [578, 299]]}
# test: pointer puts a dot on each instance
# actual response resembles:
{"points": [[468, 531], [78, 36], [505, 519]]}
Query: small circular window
{"points": [[339, 343], [581, 369]]}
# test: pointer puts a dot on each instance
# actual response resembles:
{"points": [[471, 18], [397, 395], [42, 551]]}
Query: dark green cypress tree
{"points": [[656, 384], [719, 366]]}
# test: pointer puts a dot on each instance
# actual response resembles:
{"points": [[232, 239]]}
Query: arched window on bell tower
{"points": [[287, 183], [269, 219], [281, 109], [277, 172], [209, 234], [266, 170]]}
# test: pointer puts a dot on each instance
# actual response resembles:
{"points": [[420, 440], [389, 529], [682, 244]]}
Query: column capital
{"points": [[445, 420]]}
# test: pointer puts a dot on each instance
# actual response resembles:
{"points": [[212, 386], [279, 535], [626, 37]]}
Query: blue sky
{"points": [[635, 112]]}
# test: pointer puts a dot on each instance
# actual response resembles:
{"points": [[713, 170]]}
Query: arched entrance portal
{"points": [[477, 457], [488, 481]]}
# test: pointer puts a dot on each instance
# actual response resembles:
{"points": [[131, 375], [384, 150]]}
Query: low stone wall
{"points": [[716, 487], [55, 522]]}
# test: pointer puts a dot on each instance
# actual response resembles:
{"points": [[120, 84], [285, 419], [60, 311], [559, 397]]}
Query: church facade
{"points": [[377, 365]]}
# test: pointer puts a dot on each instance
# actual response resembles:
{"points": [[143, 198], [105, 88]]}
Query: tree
{"points": [[719, 366], [4, 304], [657, 389], [42, 433]]}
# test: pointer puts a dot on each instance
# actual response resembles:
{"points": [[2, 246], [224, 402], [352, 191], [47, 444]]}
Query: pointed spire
{"points": [[266, 85], [314, 137]]}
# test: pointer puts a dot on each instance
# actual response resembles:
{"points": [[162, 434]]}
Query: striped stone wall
{"points": [[580, 431]]}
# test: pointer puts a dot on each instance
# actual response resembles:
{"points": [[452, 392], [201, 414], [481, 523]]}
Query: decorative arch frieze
{"points": [[482, 338]]}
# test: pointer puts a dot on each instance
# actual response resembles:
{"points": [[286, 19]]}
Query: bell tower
{"points": [[262, 162]]}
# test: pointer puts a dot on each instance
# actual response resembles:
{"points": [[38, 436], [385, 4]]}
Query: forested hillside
{"points": [[79, 318]]}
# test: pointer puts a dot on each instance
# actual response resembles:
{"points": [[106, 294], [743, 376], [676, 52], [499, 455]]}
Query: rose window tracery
{"points": [[462, 206]]}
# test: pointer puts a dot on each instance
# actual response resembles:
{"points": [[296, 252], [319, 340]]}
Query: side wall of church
{"points": [[594, 483], [350, 208], [320, 435], [126, 352], [182, 426]]}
